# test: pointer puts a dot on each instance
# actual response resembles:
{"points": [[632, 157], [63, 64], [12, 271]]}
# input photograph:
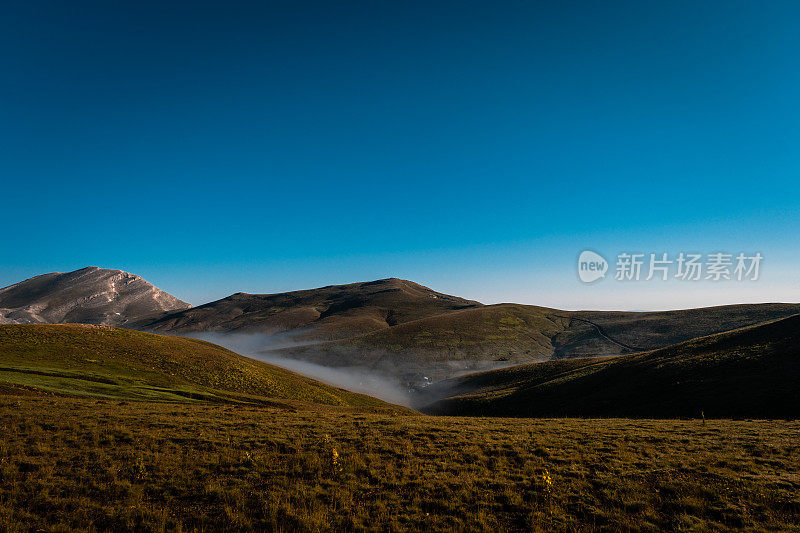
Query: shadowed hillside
{"points": [[612, 332], [751, 372], [113, 362]]}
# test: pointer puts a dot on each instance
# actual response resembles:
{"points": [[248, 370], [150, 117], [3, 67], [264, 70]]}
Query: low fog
{"points": [[384, 384], [398, 378]]}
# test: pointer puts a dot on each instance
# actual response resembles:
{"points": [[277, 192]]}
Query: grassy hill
{"points": [[751, 372], [104, 361], [509, 332]]}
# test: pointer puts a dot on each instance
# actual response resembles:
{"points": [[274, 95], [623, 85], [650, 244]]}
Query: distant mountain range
{"points": [[727, 361], [399, 323], [391, 325]]}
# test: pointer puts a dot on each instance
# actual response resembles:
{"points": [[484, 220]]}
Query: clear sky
{"points": [[474, 147]]}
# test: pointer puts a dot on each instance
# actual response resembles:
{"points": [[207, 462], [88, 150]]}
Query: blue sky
{"points": [[475, 147]]}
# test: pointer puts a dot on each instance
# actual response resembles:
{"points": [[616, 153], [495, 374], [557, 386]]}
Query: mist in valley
{"points": [[391, 377]]}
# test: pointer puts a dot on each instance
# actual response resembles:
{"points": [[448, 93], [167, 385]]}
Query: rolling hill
{"points": [[746, 373], [86, 360], [90, 295]]}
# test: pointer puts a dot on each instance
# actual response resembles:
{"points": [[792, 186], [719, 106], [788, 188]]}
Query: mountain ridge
{"points": [[394, 326], [332, 311]]}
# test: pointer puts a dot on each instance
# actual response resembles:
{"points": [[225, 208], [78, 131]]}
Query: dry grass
{"points": [[108, 465]]}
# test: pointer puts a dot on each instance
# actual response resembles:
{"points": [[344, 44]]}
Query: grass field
{"points": [[103, 465]]}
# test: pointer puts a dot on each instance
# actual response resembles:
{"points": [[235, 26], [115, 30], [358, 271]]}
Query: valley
{"points": [[592, 420]]}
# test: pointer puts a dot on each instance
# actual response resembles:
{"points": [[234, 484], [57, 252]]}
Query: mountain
{"points": [[746, 373], [90, 295], [332, 312], [103, 361]]}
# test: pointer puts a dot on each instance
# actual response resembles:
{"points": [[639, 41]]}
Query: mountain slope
{"points": [[90, 295], [333, 312], [115, 362], [751, 372], [442, 345]]}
